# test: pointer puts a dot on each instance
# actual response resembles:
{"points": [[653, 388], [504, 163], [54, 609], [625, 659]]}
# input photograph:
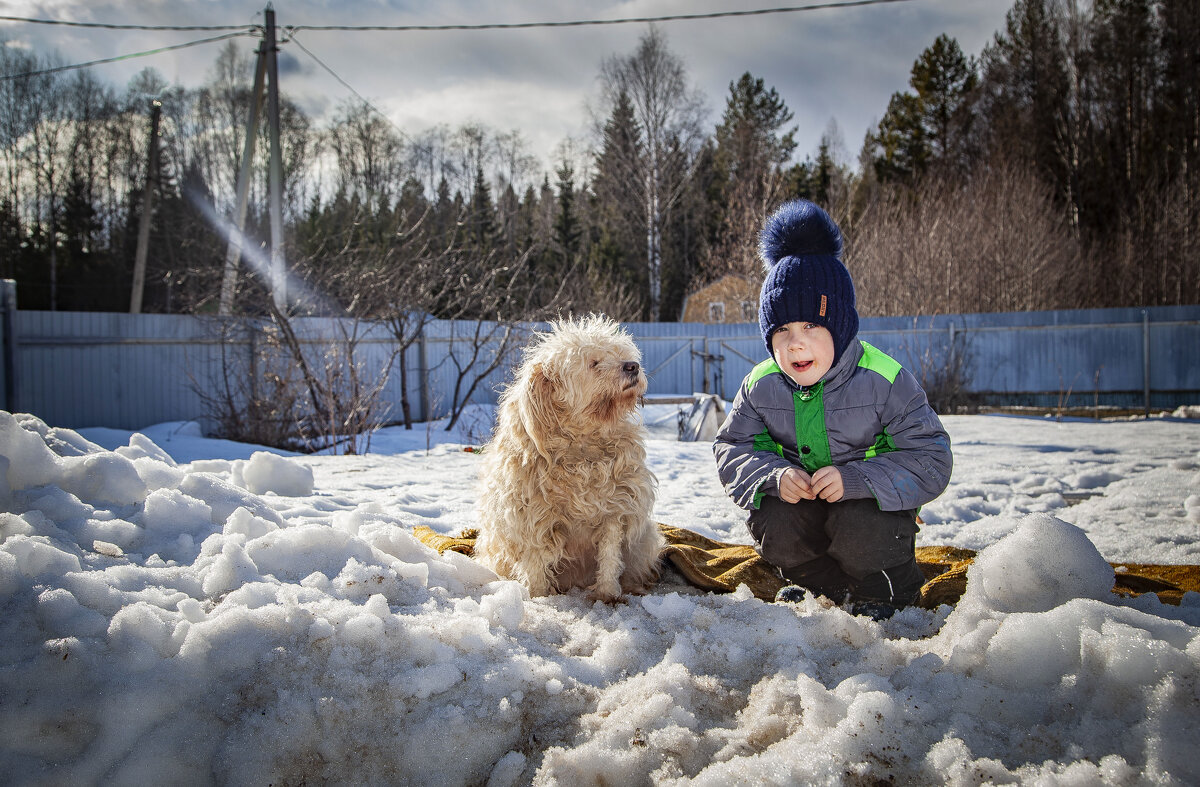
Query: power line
{"points": [[403, 134], [55, 70], [107, 26], [291, 30], [292, 39], [485, 26], [593, 22]]}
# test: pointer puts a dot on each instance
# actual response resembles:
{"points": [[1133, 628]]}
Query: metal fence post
{"points": [[1146, 358], [8, 314], [423, 362], [952, 337]]}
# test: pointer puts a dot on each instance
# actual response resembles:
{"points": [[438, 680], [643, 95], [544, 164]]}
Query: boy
{"points": [[831, 445]]}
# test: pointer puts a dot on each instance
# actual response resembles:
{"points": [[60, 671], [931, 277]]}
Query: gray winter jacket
{"points": [[868, 416]]}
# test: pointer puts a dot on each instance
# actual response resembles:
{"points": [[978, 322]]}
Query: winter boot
{"points": [[791, 594], [882, 593], [822, 577]]}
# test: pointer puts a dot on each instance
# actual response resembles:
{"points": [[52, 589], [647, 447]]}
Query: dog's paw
{"points": [[637, 588], [639, 583], [608, 593]]}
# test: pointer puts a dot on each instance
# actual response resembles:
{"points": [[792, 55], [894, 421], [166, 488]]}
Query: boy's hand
{"points": [[827, 484], [795, 485]]}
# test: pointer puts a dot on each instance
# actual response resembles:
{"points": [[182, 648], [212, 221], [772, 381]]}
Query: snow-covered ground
{"points": [[190, 611]]}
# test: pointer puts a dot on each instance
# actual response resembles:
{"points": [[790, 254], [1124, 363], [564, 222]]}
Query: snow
{"points": [[177, 609]]}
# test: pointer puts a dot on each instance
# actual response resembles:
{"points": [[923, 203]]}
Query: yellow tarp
{"points": [[720, 567]]}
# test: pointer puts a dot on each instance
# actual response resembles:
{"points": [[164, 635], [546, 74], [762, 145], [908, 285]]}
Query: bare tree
{"points": [[670, 115], [404, 287], [17, 114], [221, 111], [49, 140], [429, 158], [369, 154]]}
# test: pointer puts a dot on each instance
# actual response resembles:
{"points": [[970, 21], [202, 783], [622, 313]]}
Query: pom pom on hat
{"points": [[799, 228], [806, 280]]}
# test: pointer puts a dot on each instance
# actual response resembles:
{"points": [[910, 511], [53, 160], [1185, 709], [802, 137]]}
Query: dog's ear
{"points": [[541, 386], [537, 408]]}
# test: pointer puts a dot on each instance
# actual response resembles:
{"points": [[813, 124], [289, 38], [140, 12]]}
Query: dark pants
{"points": [[839, 549]]}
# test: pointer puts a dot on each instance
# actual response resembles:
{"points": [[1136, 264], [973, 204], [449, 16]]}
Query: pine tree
{"points": [[1025, 82], [930, 124], [617, 243], [753, 145], [943, 79], [752, 142], [481, 216], [567, 232]]}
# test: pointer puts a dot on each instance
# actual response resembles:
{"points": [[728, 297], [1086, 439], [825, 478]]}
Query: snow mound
{"points": [[266, 472], [1042, 564]]}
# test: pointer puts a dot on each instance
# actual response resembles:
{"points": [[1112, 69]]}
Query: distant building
{"points": [[733, 298]]}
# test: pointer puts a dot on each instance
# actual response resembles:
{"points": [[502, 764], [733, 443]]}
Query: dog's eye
{"points": [[595, 364]]}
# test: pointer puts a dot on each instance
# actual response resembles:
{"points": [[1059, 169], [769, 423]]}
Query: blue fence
{"points": [[1118, 357], [128, 371]]}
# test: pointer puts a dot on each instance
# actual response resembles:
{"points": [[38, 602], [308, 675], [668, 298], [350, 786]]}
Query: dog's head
{"points": [[587, 369]]}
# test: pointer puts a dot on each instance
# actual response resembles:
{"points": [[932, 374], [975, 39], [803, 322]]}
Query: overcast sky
{"points": [[838, 64]]}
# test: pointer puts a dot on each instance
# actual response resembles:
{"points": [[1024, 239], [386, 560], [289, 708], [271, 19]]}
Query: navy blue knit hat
{"points": [[806, 280]]}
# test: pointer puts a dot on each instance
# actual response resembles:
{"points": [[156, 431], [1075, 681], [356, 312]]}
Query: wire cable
{"points": [[250, 30], [348, 86], [106, 26], [56, 69], [593, 22]]}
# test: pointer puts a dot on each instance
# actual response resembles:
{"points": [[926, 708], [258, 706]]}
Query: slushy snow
{"points": [[186, 611]]}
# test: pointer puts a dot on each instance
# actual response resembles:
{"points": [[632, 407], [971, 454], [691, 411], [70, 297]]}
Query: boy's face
{"points": [[803, 351]]}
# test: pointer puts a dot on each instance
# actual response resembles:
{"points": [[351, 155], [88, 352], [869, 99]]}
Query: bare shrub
{"points": [[944, 369], [246, 396], [994, 243], [269, 386], [344, 402]]}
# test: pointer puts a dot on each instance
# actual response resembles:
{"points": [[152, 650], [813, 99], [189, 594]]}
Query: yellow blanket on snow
{"points": [[720, 567]]}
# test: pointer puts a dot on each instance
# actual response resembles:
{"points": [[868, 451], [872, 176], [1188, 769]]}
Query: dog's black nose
{"points": [[631, 368]]}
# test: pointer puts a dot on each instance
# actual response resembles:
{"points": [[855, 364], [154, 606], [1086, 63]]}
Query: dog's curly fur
{"points": [[566, 495]]}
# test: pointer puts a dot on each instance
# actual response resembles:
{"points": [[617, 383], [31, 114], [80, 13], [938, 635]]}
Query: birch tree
{"points": [[669, 113]]}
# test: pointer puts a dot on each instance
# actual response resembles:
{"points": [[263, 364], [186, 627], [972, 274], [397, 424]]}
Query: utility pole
{"points": [[8, 326], [143, 242], [278, 269], [234, 250], [266, 70]]}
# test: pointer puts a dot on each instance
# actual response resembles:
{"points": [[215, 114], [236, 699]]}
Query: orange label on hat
{"points": [[822, 305]]}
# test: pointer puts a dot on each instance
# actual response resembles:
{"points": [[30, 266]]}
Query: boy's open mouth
{"points": [[802, 366]]}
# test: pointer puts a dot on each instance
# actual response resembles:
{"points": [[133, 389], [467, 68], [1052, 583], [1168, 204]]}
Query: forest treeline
{"points": [[1058, 168]]}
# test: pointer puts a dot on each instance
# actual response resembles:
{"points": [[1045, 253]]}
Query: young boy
{"points": [[831, 445]]}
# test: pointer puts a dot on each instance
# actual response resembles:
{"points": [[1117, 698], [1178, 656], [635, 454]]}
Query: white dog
{"points": [[566, 495]]}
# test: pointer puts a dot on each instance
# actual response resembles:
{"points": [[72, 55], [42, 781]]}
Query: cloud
{"points": [[826, 64]]}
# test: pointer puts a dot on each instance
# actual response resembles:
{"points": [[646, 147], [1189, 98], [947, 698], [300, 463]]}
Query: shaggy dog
{"points": [[566, 495]]}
